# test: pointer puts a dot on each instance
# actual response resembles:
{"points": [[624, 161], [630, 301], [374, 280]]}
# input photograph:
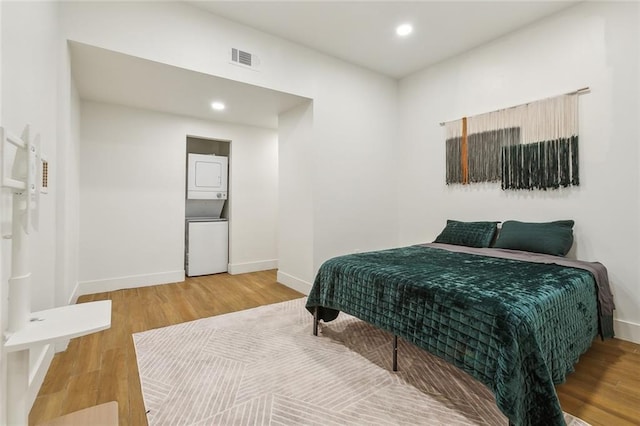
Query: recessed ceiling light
{"points": [[218, 106], [404, 30]]}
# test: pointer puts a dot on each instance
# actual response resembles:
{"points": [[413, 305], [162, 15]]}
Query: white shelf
{"points": [[61, 323]]}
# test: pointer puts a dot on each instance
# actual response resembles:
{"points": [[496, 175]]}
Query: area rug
{"points": [[263, 366]]}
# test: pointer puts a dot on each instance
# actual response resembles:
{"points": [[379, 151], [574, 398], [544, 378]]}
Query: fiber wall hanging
{"points": [[530, 146]]}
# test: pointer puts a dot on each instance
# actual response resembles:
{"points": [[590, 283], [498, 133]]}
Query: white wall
{"points": [[592, 44], [253, 203], [354, 164], [132, 195], [30, 41], [295, 223], [68, 184], [3, 262], [29, 97], [354, 118], [182, 35]]}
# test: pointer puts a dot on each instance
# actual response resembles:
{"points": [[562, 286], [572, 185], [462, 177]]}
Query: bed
{"points": [[516, 321]]}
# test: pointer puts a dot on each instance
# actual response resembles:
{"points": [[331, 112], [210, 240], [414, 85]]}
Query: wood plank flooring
{"points": [[102, 367], [604, 390]]}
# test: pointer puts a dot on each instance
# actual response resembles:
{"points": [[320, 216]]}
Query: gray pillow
{"points": [[553, 238], [470, 234]]}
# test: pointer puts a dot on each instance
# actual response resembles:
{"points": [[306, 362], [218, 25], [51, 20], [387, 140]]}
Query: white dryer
{"points": [[207, 177]]}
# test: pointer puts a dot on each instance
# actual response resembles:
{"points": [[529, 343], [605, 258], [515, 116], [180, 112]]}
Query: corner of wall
{"points": [[3, 304], [626, 330], [294, 282], [38, 373], [73, 297]]}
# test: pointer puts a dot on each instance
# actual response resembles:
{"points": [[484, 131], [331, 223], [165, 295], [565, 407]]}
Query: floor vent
{"points": [[245, 59]]}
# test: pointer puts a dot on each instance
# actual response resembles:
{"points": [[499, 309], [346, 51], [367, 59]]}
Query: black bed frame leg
{"points": [[316, 320], [395, 353]]}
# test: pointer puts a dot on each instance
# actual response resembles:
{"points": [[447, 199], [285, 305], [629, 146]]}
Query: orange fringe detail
{"points": [[464, 157]]}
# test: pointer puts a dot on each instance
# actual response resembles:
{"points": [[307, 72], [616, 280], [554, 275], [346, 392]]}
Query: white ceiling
{"points": [[363, 32], [105, 76]]}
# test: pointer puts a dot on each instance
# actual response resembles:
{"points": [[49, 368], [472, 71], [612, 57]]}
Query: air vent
{"points": [[246, 59], [44, 185]]}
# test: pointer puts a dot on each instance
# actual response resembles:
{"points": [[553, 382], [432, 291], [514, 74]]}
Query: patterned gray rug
{"points": [[263, 366]]}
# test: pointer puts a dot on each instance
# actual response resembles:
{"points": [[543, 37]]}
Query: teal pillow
{"points": [[470, 234], [553, 238]]}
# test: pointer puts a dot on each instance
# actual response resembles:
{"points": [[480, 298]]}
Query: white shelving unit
{"points": [[61, 324], [27, 330]]}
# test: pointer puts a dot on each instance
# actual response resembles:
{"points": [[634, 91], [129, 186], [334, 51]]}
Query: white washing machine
{"points": [[207, 243]]}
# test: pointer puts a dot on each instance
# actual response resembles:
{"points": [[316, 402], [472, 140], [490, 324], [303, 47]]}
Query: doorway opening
{"points": [[206, 207]]}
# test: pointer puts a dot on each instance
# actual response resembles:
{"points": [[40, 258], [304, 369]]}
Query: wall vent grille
{"points": [[243, 58]]}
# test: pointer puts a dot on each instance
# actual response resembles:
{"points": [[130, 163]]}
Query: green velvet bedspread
{"points": [[518, 327]]}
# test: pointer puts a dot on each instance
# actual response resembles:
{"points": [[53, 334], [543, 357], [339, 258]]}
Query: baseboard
{"points": [[295, 283], [38, 373], [243, 268], [132, 281], [626, 330]]}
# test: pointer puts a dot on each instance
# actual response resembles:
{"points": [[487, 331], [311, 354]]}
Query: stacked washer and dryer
{"points": [[207, 235]]}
